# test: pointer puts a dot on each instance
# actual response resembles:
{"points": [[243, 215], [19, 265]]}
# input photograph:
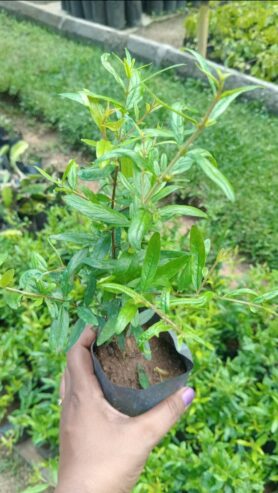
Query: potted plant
{"points": [[126, 276]]}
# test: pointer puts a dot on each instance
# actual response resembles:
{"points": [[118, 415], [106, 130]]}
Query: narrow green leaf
{"points": [[198, 256], [170, 211], [94, 173], [107, 331], [215, 175], [182, 165], [140, 224], [142, 377], [206, 69], [17, 150], [151, 260], [123, 152], [197, 301], [151, 332], [36, 489], [76, 332], [96, 212], [118, 288], [227, 98], [87, 315], [177, 123], [47, 176], [170, 269], [38, 262], [90, 290], [126, 314], [77, 238], [167, 190], [59, 330], [266, 296], [107, 65]]}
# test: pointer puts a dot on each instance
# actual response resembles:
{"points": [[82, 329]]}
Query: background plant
{"points": [[243, 144], [241, 37]]}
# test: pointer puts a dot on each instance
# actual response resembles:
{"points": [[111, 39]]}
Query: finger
{"points": [[80, 364], [162, 417]]}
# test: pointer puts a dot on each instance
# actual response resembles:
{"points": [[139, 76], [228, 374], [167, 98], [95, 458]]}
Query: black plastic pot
{"points": [[134, 402]]}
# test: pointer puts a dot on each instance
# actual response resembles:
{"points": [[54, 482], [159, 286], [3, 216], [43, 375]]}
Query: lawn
{"points": [[36, 65]]}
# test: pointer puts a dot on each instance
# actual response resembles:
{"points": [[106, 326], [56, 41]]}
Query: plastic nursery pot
{"points": [[137, 401]]}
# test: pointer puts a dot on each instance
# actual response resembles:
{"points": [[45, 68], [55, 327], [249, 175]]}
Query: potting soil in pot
{"points": [[123, 367]]}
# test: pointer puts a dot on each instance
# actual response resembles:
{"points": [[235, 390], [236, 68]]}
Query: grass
{"points": [[36, 65]]}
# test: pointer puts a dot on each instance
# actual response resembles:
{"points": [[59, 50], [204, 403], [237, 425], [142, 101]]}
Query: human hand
{"points": [[101, 449]]}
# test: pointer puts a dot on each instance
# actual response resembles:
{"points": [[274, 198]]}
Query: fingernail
{"points": [[188, 396]]}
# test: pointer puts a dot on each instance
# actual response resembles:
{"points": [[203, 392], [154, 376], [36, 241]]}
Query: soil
{"points": [[170, 31], [122, 367]]}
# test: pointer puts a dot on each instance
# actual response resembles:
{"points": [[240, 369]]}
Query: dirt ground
{"points": [[14, 473]]}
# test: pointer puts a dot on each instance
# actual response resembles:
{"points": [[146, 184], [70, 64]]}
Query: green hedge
{"points": [[37, 65], [242, 35], [227, 442]]}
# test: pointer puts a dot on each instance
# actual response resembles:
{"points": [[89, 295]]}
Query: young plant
{"points": [[123, 271]]}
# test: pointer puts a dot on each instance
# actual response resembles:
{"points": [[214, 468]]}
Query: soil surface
{"points": [[170, 31], [122, 367]]}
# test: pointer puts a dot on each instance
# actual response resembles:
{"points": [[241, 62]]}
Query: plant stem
{"points": [[35, 295], [184, 148], [248, 303], [113, 206]]}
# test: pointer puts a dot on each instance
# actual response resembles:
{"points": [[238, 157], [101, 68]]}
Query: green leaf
{"points": [[7, 278], [140, 224], [145, 316], [227, 98], [107, 65], [7, 195], [59, 330], [3, 257], [213, 173], [76, 332], [96, 212], [107, 331], [169, 270], [142, 377], [17, 150], [90, 290], [87, 315], [70, 173], [182, 165], [38, 262], [206, 69], [197, 301], [36, 489], [198, 256], [170, 211], [126, 314], [102, 147], [151, 260], [77, 238], [177, 123], [95, 174], [167, 190], [118, 288], [123, 152], [241, 291], [47, 176], [266, 296], [151, 332]]}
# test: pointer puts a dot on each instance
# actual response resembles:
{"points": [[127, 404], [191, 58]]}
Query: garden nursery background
{"points": [[227, 441]]}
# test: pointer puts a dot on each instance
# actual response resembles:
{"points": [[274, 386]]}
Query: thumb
{"points": [[162, 417]]}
